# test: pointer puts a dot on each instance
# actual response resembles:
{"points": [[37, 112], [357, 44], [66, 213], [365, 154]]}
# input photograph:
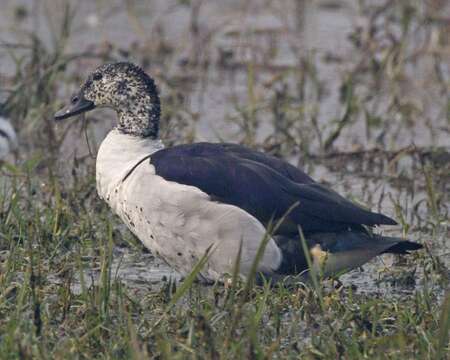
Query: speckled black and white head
{"points": [[128, 90]]}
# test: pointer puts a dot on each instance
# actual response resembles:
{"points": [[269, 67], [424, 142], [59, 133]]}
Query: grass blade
{"points": [[444, 328], [187, 283]]}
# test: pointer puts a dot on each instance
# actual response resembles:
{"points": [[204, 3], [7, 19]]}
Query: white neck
{"points": [[118, 154]]}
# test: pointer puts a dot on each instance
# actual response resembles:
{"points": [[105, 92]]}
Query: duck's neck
{"points": [[118, 154], [139, 113]]}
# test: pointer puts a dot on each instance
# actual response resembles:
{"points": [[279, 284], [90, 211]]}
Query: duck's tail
{"points": [[400, 246], [335, 253]]}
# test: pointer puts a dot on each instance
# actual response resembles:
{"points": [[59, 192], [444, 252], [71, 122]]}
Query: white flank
{"points": [[175, 221]]}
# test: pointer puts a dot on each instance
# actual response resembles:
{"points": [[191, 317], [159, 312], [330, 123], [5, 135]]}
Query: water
{"points": [[274, 36]]}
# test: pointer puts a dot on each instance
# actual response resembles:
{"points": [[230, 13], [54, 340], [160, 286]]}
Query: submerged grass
{"points": [[61, 295]]}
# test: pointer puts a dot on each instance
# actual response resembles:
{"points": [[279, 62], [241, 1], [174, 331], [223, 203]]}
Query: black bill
{"points": [[78, 105]]}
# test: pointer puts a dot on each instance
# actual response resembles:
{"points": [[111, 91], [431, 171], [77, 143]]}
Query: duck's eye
{"points": [[97, 76], [74, 99]]}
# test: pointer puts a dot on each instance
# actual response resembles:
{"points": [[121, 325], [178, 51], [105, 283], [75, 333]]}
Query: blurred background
{"points": [[292, 74]]}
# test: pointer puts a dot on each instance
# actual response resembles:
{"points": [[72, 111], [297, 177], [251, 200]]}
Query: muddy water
{"points": [[271, 35]]}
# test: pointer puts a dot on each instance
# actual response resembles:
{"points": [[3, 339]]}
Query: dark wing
{"points": [[263, 186], [284, 168]]}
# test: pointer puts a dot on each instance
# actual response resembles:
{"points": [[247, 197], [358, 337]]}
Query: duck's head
{"points": [[128, 90]]}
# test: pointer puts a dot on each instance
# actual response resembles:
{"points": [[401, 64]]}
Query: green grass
{"points": [[60, 293], [46, 249]]}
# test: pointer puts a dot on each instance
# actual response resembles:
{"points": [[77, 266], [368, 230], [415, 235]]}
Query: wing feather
{"points": [[263, 186]]}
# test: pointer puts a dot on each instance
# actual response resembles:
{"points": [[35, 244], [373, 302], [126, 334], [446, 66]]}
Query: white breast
{"points": [[175, 221]]}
